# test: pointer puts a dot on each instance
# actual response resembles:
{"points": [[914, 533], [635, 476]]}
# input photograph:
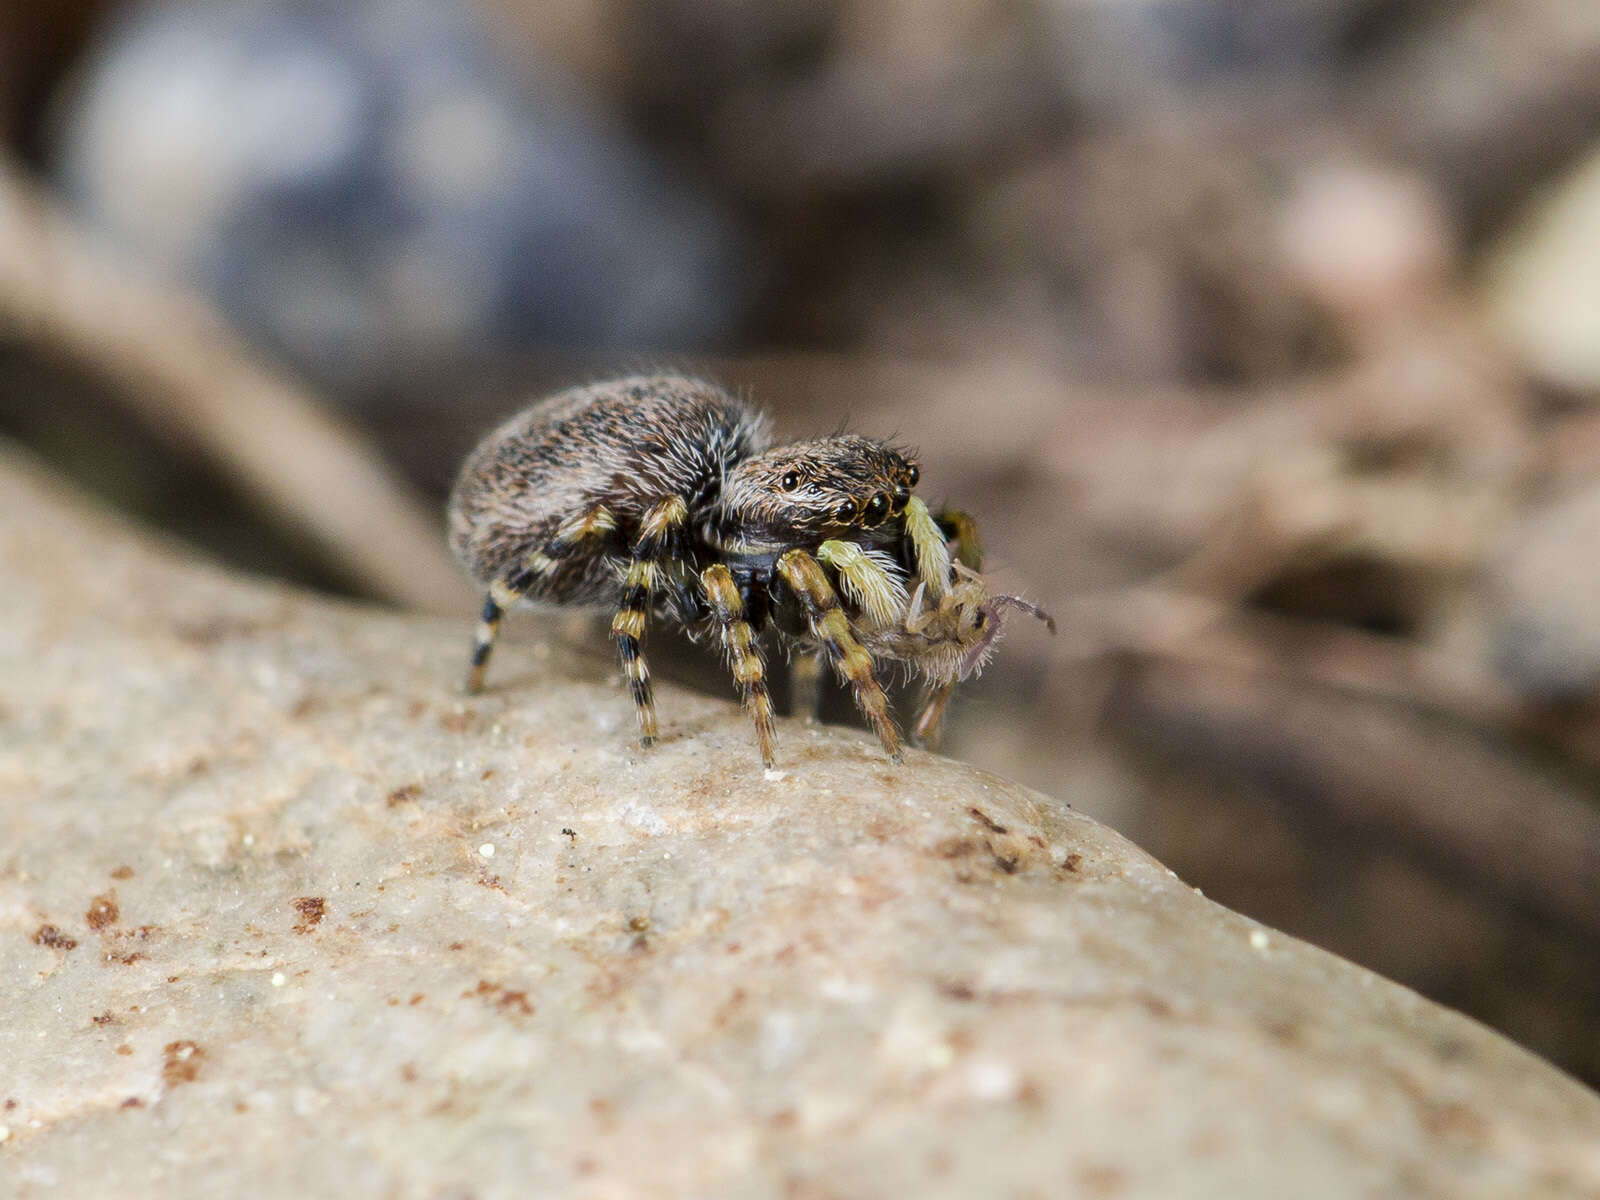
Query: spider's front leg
{"points": [[831, 627], [659, 532], [743, 654], [524, 576], [961, 534]]}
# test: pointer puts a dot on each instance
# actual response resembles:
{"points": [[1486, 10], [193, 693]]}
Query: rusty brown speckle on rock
{"points": [[404, 795], [50, 936], [105, 1018], [103, 911], [501, 997], [122, 872], [457, 722], [311, 909], [180, 1062], [984, 819]]}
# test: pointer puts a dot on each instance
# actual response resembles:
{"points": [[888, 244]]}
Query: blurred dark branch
{"points": [[1452, 796], [174, 361]]}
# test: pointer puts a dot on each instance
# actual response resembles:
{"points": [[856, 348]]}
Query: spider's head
{"points": [[821, 488]]}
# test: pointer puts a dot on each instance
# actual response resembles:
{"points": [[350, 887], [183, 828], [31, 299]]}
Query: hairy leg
{"points": [[831, 627], [743, 654], [658, 531], [571, 538]]}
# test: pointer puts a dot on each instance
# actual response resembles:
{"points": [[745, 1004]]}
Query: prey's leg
{"points": [[960, 534], [805, 684]]}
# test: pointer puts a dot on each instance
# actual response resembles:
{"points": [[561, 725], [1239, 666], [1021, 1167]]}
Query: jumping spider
{"points": [[660, 496]]}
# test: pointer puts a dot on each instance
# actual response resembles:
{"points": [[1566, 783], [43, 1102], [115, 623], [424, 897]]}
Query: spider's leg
{"points": [[742, 652], [831, 627], [524, 576], [960, 532], [658, 533]]}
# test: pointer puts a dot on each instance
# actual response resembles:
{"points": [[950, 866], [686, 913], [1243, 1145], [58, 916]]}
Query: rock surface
{"points": [[280, 915]]}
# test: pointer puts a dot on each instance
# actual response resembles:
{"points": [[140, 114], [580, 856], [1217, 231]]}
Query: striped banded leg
{"points": [[831, 627], [658, 530], [524, 576], [743, 655], [961, 534]]}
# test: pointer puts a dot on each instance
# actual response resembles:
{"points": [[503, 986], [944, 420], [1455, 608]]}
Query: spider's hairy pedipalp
{"points": [[866, 578], [927, 541]]}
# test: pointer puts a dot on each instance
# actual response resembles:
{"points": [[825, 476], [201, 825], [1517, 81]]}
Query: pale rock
{"points": [[250, 943]]}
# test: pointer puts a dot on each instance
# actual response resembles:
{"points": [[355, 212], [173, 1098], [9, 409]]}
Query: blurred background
{"points": [[1263, 339]]}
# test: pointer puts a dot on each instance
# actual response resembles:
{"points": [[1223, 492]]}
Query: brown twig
{"points": [[177, 364]]}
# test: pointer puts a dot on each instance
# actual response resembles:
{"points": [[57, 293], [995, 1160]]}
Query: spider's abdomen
{"points": [[622, 446]]}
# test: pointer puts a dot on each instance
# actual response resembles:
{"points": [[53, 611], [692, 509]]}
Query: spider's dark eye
{"points": [[912, 474], [877, 509], [846, 512], [790, 481]]}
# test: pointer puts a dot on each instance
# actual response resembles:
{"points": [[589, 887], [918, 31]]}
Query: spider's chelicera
{"points": [[660, 498]]}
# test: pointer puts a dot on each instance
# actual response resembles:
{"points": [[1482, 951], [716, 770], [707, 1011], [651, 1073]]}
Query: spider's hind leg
{"points": [[659, 531], [526, 575]]}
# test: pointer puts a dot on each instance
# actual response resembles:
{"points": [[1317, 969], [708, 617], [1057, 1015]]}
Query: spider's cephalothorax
{"points": [[659, 496]]}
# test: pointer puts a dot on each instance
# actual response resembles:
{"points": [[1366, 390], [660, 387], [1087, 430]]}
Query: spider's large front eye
{"points": [[877, 509], [845, 513], [790, 481], [912, 474]]}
